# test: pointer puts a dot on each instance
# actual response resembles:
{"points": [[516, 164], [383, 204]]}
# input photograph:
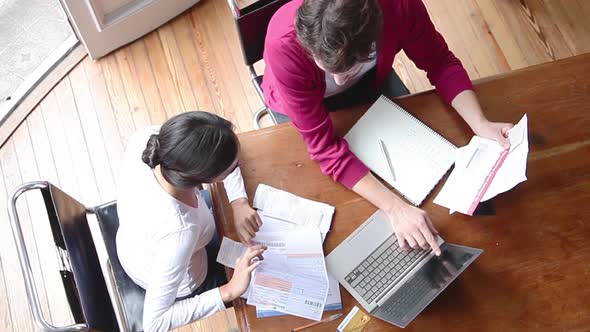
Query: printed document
{"points": [[333, 301], [484, 169], [294, 280], [287, 207], [273, 225], [230, 250], [513, 170]]}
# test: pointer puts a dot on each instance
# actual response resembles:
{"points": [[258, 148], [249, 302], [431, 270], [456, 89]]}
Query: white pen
{"points": [[386, 155], [472, 156]]}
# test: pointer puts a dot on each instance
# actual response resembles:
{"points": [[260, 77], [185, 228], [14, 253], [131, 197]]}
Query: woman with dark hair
{"points": [[166, 240], [325, 55]]}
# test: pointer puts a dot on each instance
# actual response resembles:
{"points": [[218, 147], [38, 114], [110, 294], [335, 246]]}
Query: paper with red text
{"points": [[294, 280]]}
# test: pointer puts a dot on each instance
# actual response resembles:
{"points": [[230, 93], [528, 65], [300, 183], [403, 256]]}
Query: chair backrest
{"points": [[88, 293], [84, 284], [84, 277], [70, 226], [130, 297], [252, 23]]}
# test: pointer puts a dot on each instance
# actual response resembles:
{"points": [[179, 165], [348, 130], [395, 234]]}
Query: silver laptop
{"points": [[392, 284]]}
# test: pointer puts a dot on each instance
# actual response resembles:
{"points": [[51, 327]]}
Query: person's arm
{"points": [[466, 104], [161, 312], [240, 280], [246, 219], [412, 226], [429, 51], [303, 102], [234, 185], [301, 87]]}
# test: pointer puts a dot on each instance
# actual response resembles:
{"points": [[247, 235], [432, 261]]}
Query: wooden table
{"points": [[534, 273]]}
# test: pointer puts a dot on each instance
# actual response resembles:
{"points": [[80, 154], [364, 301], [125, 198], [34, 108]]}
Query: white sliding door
{"points": [[105, 25]]}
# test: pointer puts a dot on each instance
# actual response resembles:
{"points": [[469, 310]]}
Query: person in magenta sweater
{"points": [[320, 52]]}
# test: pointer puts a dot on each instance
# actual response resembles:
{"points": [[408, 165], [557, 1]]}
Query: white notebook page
{"points": [[419, 156]]}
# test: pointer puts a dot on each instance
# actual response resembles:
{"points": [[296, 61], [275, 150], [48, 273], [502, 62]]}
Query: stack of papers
{"points": [[484, 169], [292, 278], [283, 211], [333, 301]]}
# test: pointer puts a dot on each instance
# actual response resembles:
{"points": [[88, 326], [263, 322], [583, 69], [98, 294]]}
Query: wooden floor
{"points": [[76, 136]]}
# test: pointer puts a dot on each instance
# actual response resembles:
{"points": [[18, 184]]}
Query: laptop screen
{"points": [[418, 291]]}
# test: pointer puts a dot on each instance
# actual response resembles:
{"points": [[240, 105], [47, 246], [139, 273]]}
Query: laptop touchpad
{"points": [[372, 234]]}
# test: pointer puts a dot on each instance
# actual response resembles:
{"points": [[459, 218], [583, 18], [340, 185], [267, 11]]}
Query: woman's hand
{"points": [[246, 219], [240, 280], [413, 228], [497, 131]]}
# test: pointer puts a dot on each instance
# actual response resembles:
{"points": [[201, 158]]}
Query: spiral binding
{"points": [[422, 124]]}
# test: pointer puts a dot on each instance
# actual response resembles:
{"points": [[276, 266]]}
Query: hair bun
{"points": [[150, 155]]}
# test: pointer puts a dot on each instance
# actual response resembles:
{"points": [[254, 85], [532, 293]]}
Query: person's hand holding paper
{"points": [[513, 170], [484, 169], [244, 266], [495, 131]]}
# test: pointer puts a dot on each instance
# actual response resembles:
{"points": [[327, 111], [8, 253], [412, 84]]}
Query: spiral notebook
{"points": [[419, 156]]}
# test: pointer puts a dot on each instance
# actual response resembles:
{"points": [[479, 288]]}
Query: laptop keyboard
{"points": [[371, 277], [407, 297]]}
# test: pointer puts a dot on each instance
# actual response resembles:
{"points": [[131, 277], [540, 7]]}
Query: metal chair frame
{"points": [[25, 262], [251, 24]]}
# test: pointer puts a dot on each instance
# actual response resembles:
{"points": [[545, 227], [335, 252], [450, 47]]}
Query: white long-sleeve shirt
{"points": [[161, 241]]}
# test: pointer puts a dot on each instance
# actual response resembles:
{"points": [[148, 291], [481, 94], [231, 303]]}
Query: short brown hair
{"points": [[339, 33]]}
